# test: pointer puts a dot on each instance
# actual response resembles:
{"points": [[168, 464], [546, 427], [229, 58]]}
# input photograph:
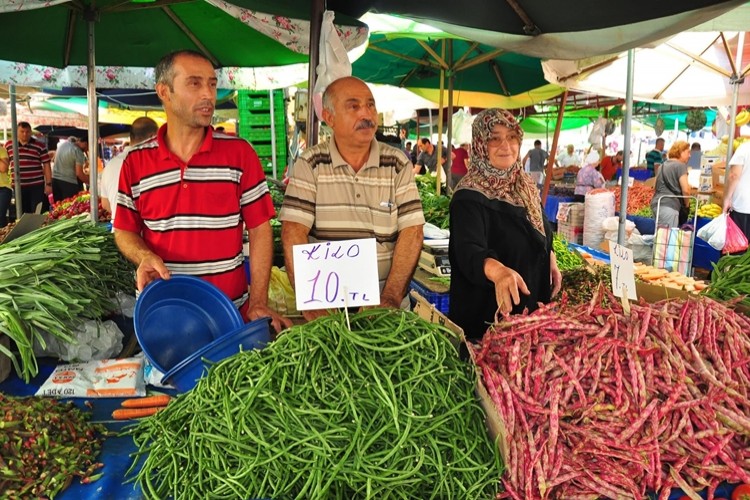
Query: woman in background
{"points": [[501, 242], [588, 177], [672, 180]]}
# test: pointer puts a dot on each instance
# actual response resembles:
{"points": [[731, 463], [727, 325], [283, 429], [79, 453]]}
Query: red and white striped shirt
{"points": [[33, 156], [191, 214]]}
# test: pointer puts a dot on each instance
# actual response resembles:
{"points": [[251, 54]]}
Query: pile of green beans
{"points": [[731, 279], [384, 410], [52, 280]]}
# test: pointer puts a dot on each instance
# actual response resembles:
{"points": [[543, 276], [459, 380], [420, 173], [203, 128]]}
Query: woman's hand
{"points": [[555, 276], [509, 285]]}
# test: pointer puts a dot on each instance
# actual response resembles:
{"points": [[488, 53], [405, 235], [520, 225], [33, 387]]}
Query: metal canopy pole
{"points": [[16, 171], [316, 20], [621, 240], [449, 133], [735, 80], [93, 119], [553, 150]]}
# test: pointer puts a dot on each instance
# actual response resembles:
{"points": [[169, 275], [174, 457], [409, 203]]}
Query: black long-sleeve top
{"points": [[482, 228]]}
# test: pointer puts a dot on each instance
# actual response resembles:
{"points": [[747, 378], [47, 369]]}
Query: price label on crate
{"points": [[621, 265], [332, 274]]}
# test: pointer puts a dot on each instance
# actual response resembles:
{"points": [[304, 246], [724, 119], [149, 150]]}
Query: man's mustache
{"points": [[365, 123]]}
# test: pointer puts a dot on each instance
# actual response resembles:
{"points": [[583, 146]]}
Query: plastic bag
{"points": [[715, 232], [281, 296], [334, 61], [736, 241], [92, 339], [108, 378], [598, 131]]}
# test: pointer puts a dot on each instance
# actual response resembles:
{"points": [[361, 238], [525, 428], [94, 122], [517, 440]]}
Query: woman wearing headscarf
{"points": [[588, 177], [501, 242]]}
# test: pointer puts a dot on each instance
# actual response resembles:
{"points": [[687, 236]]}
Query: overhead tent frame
{"points": [[289, 40]]}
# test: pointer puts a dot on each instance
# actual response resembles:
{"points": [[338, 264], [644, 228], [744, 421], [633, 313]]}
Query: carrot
{"points": [[147, 402], [128, 413]]}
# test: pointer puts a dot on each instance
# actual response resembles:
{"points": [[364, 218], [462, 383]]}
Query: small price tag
{"points": [[333, 274], [621, 265], [631, 181]]}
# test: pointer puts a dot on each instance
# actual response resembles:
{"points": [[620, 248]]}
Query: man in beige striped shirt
{"points": [[355, 187]]}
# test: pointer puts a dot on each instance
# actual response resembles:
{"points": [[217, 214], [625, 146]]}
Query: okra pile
{"points": [[53, 279], [385, 409], [602, 403], [44, 444]]}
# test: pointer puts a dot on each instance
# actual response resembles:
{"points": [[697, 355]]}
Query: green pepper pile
{"points": [[566, 259], [385, 409]]}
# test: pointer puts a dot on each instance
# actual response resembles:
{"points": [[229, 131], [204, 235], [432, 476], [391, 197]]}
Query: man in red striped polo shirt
{"points": [[36, 174], [185, 195]]}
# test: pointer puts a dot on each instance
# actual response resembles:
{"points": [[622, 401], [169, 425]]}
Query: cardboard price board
{"points": [[333, 274], [623, 277]]}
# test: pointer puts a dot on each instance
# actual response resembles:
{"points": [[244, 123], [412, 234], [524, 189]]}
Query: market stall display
{"points": [[566, 259], [670, 279], [76, 205], [380, 407], [639, 198], [436, 207], [603, 403], [45, 446], [54, 278]]}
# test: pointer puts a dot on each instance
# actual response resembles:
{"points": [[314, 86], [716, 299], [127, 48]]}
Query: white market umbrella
{"points": [[690, 69]]}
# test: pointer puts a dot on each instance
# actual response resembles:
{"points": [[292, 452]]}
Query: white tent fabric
{"points": [[691, 69]]}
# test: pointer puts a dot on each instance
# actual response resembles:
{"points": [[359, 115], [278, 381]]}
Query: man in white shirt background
{"points": [[141, 130]]}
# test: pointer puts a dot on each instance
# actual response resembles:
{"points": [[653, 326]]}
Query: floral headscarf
{"points": [[513, 185]]}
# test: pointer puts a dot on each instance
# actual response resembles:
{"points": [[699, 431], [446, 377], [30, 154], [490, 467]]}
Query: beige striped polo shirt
{"points": [[337, 203]]}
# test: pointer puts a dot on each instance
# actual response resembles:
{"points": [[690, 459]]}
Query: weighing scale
{"points": [[434, 257]]}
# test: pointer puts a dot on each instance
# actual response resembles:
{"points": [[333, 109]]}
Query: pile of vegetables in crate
{"points": [[436, 207], [77, 205], [384, 410], [601, 403], [44, 444], [53, 279], [639, 197]]}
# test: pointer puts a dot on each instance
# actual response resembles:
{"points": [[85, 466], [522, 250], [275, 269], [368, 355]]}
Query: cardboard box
{"points": [[493, 421], [718, 175], [718, 195], [655, 293]]}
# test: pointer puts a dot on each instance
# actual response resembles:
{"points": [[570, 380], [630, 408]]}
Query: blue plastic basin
{"points": [[253, 335], [176, 317]]}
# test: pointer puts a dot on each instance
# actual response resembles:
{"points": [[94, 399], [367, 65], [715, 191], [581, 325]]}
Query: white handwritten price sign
{"points": [[621, 263], [332, 274]]}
